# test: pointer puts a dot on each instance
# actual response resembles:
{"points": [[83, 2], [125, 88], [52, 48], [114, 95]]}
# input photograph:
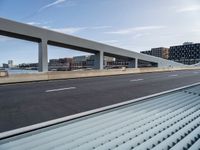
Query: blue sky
{"points": [[132, 24]]}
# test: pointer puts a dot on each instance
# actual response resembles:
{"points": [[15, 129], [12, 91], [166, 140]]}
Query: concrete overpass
{"points": [[44, 37]]}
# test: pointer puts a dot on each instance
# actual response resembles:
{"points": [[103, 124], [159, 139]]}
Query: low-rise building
{"points": [[10, 63], [5, 65], [161, 52], [61, 64], [31, 66], [85, 61], [148, 52], [188, 53]]}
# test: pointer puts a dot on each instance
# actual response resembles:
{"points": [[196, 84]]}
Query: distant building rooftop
{"points": [[187, 43]]}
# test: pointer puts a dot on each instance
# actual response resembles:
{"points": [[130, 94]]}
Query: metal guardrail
{"points": [[167, 120]]}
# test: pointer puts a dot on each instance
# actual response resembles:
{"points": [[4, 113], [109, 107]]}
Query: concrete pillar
{"points": [[98, 61], [131, 63], [136, 63], [43, 56]]}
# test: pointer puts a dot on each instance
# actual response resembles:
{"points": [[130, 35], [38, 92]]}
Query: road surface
{"points": [[30, 103]]}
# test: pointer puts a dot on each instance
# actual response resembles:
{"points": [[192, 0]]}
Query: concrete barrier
{"points": [[83, 74], [3, 73]]}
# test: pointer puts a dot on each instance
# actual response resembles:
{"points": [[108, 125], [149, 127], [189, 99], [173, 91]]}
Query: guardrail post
{"points": [[43, 56]]}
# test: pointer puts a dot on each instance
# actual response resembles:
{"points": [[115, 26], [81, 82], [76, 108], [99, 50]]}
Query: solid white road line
{"points": [[61, 89], [173, 75], [135, 80]]}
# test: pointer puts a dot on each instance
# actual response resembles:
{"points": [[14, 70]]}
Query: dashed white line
{"points": [[173, 75], [135, 80], [61, 89]]}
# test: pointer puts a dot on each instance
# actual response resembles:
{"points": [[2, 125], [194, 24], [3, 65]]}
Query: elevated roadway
{"points": [[45, 37]]}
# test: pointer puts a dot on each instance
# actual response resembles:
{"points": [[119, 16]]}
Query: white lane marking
{"points": [[61, 89], [135, 80], [173, 75]]}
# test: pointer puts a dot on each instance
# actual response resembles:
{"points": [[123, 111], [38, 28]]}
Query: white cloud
{"points": [[70, 30], [33, 23], [68, 3], [52, 4], [197, 30], [73, 30], [67, 30], [135, 29], [100, 27], [38, 24], [137, 35], [142, 28], [112, 42], [46, 27], [189, 9]]}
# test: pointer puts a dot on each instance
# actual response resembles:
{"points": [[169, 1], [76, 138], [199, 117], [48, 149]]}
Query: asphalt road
{"points": [[30, 103]]}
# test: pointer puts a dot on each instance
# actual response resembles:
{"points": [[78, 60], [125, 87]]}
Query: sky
{"points": [[135, 25]]}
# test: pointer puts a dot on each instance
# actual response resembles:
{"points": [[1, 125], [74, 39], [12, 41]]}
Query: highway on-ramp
{"points": [[25, 104]]}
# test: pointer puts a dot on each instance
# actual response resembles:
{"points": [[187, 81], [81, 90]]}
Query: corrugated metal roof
{"points": [[169, 121]]}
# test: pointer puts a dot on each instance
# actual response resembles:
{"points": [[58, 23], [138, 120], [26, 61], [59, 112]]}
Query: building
{"points": [[28, 66], [5, 66], [61, 64], [10, 63], [77, 62], [118, 63], [188, 53], [80, 58], [60, 61], [108, 61], [86, 61], [161, 52], [165, 53], [148, 52], [187, 43]]}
